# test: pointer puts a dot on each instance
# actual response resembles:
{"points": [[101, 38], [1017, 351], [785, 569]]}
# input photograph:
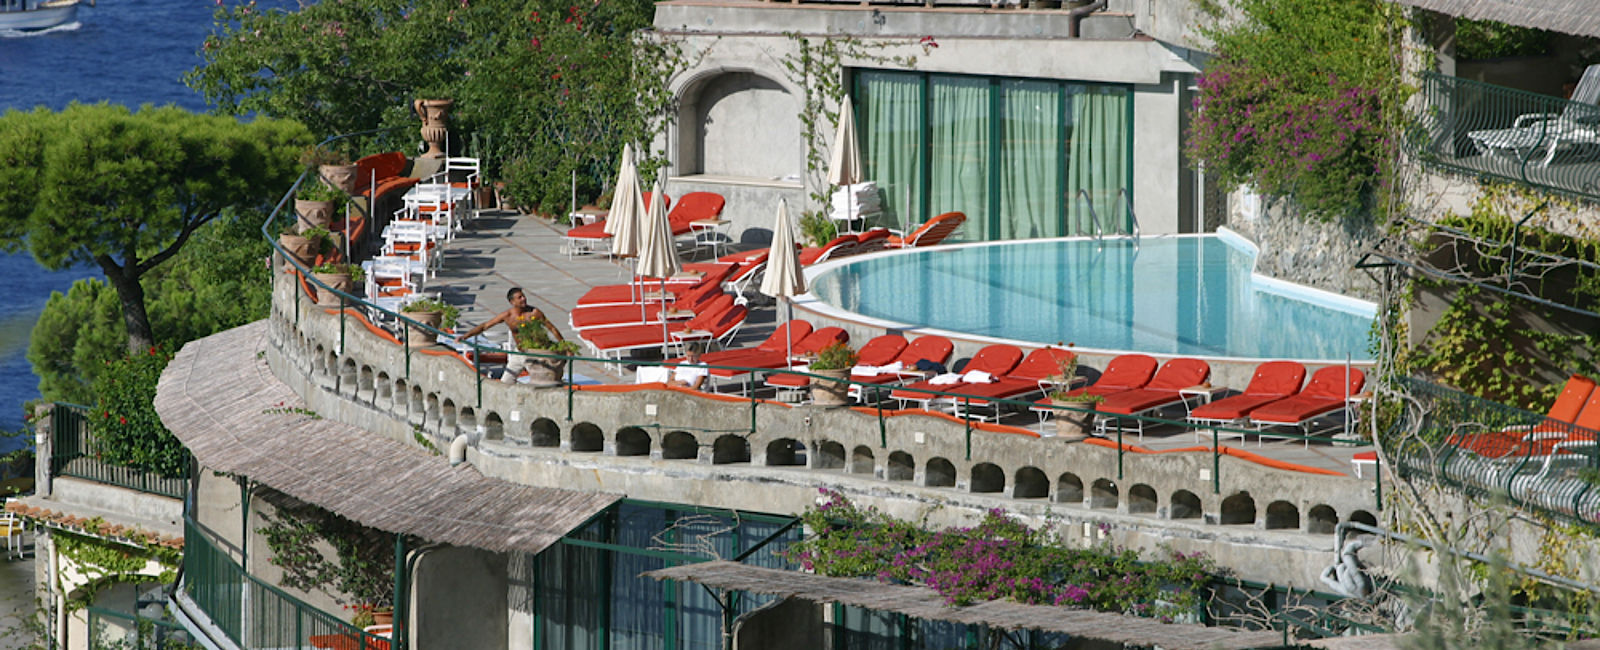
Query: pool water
{"points": [[1184, 295]]}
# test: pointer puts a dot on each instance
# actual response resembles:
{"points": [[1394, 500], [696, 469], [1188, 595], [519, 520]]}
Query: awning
{"points": [[1577, 17], [220, 398], [926, 604]]}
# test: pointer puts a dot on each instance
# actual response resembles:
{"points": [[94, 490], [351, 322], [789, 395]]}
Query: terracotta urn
{"points": [[1073, 426], [830, 389], [435, 114], [313, 214], [339, 177], [544, 371], [418, 336], [335, 281], [297, 248]]}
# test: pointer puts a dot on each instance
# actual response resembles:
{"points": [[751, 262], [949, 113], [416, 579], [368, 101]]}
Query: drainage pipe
{"points": [[1076, 16], [458, 450], [1343, 528]]}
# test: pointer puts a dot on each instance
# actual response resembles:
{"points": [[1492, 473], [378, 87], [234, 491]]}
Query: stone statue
{"points": [[435, 114], [1347, 576]]}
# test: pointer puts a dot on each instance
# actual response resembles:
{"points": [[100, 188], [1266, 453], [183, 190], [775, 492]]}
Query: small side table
{"points": [[708, 234], [1203, 394], [587, 215]]}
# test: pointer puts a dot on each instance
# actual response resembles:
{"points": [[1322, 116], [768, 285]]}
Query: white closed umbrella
{"points": [[784, 279], [844, 168], [658, 254], [626, 207]]}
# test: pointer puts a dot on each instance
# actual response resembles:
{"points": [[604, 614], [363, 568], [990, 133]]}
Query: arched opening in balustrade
{"points": [[680, 445], [939, 473], [861, 460], [1363, 517], [319, 360], [430, 412], [1185, 505], [416, 403], [988, 478], [1103, 494], [1142, 499], [1069, 488], [383, 388], [467, 421], [1321, 520], [1282, 515], [781, 453], [447, 416], [830, 455], [493, 427], [633, 441], [730, 449], [544, 432], [1031, 483], [902, 467], [364, 380], [349, 377], [1238, 509], [587, 437]]}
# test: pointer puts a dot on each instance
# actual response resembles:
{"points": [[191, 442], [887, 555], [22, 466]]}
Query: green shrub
{"points": [[124, 422]]}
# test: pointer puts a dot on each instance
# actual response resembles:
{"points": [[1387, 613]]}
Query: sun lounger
{"points": [[1124, 372], [718, 323], [1272, 381], [1021, 381], [633, 294], [1328, 391], [686, 306], [1568, 407], [932, 232], [872, 241], [880, 351], [995, 360], [841, 246], [933, 348], [1162, 391], [591, 237], [692, 207], [766, 358]]}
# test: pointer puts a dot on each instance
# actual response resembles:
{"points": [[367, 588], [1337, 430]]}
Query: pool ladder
{"points": [[1094, 217]]}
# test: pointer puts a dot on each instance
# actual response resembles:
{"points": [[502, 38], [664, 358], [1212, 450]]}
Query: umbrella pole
{"points": [[665, 338], [788, 334]]}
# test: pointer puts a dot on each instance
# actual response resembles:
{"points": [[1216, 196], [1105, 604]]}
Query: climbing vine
{"points": [[361, 571], [105, 563]]}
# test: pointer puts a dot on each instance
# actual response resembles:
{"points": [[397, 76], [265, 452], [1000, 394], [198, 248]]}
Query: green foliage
{"points": [[216, 282], [1487, 39], [999, 558], [356, 273], [16, 467], [545, 87], [1310, 127], [124, 422], [534, 334], [105, 563], [450, 312], [835, 356], [126, 191], [361, 570], [316, 191], [817, 228]]}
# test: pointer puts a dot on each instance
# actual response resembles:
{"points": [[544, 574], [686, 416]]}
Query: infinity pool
{"points": [[1186, 295]]}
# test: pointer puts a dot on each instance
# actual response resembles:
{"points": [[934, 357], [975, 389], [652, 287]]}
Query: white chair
{"points": [[389, 281], [1578, 123], [463, 173], [414, 241], [12, 528]]}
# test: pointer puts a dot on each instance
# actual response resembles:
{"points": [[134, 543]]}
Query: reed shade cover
{"points": [[626, 206], [784, 279], [658, 255], [844, 169]]}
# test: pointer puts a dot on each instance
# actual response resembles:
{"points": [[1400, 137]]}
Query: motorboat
{"points": [[21, 15]]}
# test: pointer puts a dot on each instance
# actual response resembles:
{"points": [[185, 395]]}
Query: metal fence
{"points": [[254, 614], [74, 452], [113, 630], [1507, 134], [1490, 449]]}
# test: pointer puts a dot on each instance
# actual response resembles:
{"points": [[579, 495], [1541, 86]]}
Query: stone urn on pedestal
{"points": [[341, 177], [832, 368], [534, 336], [1076, 419], [435, 114]]}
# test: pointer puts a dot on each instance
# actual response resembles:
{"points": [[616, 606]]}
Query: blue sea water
{"points": [[129, 52]]}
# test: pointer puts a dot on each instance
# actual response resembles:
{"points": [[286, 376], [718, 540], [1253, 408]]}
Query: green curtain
{"points": [[958, 145], [1097, 158], [1030, 116], [891, 141]]}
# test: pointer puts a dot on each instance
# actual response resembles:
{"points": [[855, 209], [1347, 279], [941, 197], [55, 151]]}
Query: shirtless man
{"points": [[513, 317]]}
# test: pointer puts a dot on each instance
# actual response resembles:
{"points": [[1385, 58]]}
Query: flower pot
{"points": [[435, 114], [383, 617], [1073, 426], [336, 281], [419, 336], [313, 213], [544, 371], [339, 177], [298, 248], [830, 389]]}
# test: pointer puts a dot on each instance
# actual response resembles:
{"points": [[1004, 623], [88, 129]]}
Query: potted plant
{"points": [[304, 246], [533, 335], [435, 314], [833, 364], [1073, 422], [333, 167], [337, 277], [817, 228], [315, 204]]}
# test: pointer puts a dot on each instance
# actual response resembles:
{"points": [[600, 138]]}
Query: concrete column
{"points": [[43, 430]]}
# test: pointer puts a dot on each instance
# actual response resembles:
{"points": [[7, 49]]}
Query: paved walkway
{"points": [[501, 250], [16, 597]]}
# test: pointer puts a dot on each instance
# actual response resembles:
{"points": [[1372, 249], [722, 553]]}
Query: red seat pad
{"points": [[997, 360]]}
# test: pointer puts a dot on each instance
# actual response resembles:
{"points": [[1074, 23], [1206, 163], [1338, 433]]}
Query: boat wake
{"points": [[24, 33]]}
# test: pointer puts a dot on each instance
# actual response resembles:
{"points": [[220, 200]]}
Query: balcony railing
{"points": [[1509, 135], [74, 452], [254, 614], [1561, 482]]}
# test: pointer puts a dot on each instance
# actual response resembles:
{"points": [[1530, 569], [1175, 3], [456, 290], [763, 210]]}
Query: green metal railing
{"points": [[113, 630], [1516, 459], [1510, 135], [74, 452], [252, 613]]}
